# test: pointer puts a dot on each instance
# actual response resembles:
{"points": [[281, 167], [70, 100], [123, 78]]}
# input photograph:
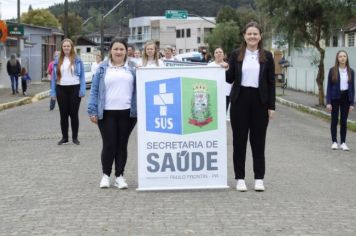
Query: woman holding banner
{"points": [[112, 105], [251, 70], [150, 56], [219, 61]]}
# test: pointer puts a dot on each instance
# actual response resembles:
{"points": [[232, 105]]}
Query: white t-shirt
{"points": [[118, 87], [250, 69], [344, 83], [227, 85], [67, 73], [94, 66], [152, 64]]}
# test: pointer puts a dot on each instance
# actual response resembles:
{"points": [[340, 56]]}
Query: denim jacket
{"points": [[333, 88], [96, 103], [78, 71]]}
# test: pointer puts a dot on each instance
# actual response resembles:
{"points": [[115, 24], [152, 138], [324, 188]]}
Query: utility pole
{"points": [[65, 18], [102, 29], [18, 25], [102, 23]]}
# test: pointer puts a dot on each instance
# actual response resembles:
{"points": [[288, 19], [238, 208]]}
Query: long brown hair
{"points": [[145, 57], [61, 58], [337, 64], [261, 52]]}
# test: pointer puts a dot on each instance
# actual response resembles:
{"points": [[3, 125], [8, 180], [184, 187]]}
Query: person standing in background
{"points": [[25, 80], [340, 96], [219, 61], [252, 103], [68, 87], [150, 56], [13, 70], [96, 63]]}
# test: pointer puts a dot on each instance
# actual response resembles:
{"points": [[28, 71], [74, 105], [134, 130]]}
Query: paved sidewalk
{"points": [[35, 91], [305, 100]]}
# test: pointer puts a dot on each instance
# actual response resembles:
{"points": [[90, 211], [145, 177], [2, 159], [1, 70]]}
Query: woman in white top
{"points": [[68, 87], [150, 56], [252, 103], [112, 105], [219, 61], [340, 97], [96, 64]]}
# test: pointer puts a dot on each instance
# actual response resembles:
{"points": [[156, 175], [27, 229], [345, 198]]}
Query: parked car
{"points": [[190, 56], [88, 74]]}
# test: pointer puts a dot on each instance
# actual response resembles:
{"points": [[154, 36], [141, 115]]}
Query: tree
{"points": [[40, 17], [306, 22], [225, 35], [226, 14], [74, 25]]}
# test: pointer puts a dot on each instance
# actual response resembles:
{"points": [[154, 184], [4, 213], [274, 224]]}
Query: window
{"points": [[180, 51], [188, 33], [335, 41], [198, 39], [88, 50], [187, 50], [178, 34], [351, 40], [182, 33]]}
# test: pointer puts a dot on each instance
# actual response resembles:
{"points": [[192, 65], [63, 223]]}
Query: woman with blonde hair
{"points": [[68, 87], [150, 55]]}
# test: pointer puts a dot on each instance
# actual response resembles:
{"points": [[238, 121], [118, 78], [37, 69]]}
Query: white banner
{"points": [[181, 128]]}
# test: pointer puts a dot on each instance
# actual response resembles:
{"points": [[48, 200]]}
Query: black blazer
{"points": [[267, 83]]}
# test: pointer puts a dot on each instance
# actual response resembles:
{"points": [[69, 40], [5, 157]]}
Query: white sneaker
{"points": [[120, 182], [334, 146], [241, 185], [344, 147], [259, 185], [105, 181]]}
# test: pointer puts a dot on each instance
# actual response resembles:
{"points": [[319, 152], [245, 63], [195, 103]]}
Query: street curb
{"points": [[309, 110], [24, 101]]}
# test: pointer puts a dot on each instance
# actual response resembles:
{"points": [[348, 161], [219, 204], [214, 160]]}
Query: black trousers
{"points": [[343, 105], [68, 103], [115, 129], [24, 85], [249, 117]]}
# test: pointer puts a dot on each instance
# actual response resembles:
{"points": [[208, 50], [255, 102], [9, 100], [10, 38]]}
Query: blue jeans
{"points": [[14, 83]]}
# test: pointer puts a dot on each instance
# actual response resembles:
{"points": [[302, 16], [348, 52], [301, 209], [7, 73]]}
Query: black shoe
{"points": [[63, 141], [76, 141], [17, 91], [13, 92]]}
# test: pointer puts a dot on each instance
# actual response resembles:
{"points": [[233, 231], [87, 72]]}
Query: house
{"points": [[37, 45], [186, 34]]}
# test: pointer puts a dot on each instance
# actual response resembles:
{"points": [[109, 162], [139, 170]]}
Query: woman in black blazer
{"points": [[251, 70], [340, 95]]}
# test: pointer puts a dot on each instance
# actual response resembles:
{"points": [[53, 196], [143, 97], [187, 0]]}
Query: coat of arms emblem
{"points": [[200, 106]]}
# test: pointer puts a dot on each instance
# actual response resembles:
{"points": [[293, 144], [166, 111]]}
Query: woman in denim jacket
{"points": [[112, 105], [340, 96], [68, 87]]}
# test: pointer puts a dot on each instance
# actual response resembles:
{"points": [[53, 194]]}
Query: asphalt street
{"points": [[46, 189]]}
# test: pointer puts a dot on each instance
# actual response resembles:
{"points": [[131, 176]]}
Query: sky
{"points": [[8, 8]]}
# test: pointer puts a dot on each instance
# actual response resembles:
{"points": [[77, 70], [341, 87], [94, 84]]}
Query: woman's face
{"points": [[252, 37], [66, 47], [219, 55], [342, 58], [150, 51], [118, 53]]}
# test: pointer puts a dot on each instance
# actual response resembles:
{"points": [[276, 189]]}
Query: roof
{"points": [[350, 25], [85, 41]]}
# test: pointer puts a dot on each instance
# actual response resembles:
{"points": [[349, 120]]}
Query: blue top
{"points": [[96, 101], [78, 71], [333, 88]]}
